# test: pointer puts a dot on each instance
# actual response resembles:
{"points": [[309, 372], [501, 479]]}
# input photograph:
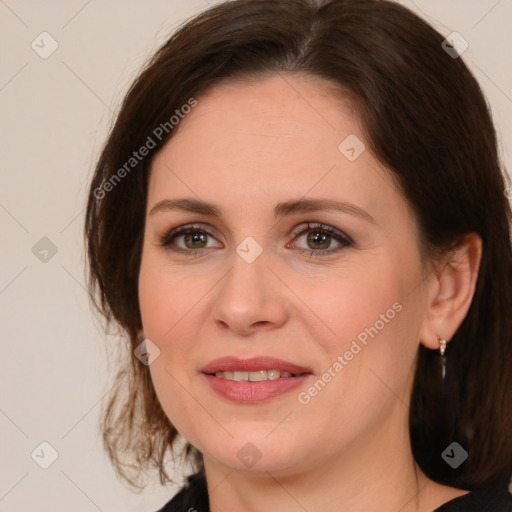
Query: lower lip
{"points": [[254, 392]]}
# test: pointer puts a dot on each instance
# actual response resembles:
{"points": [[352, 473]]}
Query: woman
{"points": [[299, 221]]}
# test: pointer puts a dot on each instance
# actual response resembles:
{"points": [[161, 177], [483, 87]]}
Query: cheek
{"points": [[167, 297], [170, 304], [366, 364], [359, 302], [374, 321], [166, 305]]}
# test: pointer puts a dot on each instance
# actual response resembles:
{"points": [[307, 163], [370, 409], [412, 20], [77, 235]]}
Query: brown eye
{"points": [[186, 239], [195, 239], [319, 238]]}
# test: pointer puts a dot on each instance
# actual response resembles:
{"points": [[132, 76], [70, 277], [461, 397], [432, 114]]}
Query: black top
{"points": [[194, 496]]}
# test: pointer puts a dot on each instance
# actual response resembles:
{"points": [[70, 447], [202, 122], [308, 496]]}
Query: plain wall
{"points": [[55, 113]]}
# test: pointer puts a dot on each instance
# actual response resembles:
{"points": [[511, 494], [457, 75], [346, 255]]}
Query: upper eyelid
{"points": [[178, 230], [320, 226]]}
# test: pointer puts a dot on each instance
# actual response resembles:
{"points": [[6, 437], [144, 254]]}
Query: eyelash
{"points": [[343, 239]]}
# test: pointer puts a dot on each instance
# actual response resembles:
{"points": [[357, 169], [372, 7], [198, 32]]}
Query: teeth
{"points": [[258, 376], [240, 376], [253, 376], [273, 374]]}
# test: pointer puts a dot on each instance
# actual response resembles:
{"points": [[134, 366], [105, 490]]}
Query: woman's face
{"points": [[344, 299]]}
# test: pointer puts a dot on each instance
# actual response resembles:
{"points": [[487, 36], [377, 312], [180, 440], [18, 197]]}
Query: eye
{"points": [[194, 239], [320, 237]]}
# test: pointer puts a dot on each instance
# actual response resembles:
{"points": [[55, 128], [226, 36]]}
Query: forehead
{"points": [[259, 139], [275, 112]]}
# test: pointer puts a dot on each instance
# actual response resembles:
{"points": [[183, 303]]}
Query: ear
{"points": [[450, 293]]}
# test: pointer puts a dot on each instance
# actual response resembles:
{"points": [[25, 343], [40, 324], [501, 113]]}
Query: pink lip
{"points": [[258, 391], [254, 392], [253, 364]]}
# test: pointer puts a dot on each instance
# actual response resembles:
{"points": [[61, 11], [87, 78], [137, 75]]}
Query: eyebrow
{"points": [[283, 209]]}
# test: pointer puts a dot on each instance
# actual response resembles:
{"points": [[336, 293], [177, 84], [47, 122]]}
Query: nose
{"points": [[250, 298]]}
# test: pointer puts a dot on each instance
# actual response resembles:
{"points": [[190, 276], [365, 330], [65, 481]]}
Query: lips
{"points": [[253, 364], [282, 377]]}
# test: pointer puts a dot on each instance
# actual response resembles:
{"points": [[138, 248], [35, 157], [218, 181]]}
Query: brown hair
{"points": [[425, 118]]}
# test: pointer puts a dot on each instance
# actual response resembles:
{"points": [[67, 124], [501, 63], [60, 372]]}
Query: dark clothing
{"points": [[491, 500], [193, 497]]}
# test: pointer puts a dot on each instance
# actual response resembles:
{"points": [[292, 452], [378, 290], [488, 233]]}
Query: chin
{"points": [[256, 456]]}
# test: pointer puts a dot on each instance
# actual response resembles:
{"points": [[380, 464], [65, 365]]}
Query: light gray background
{"points": [[55, 114]]}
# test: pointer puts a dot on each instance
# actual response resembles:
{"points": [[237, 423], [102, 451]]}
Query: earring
{"points": [[442, 350], [442, 345]]}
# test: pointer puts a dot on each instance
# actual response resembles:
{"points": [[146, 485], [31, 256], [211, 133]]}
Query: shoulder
{"points": [[484, 500], [192, 497]]}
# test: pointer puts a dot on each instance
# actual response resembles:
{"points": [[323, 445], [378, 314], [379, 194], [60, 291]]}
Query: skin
{"points": [[245, 147]]}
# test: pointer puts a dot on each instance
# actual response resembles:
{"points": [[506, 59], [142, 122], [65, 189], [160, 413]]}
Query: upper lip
{"points": [[253, 364]]}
